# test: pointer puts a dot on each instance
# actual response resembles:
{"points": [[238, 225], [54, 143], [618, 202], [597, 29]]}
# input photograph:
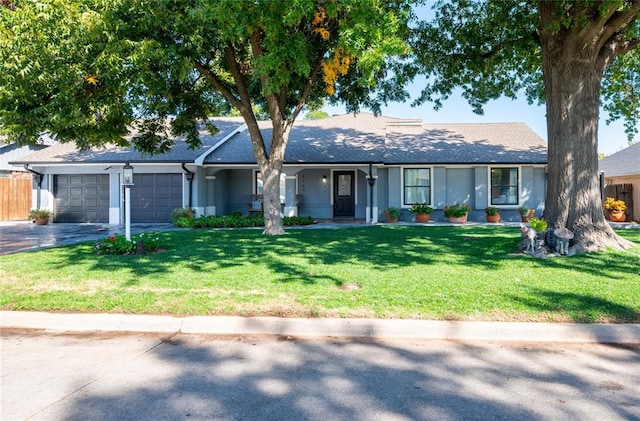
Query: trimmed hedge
{"points": [[236, 221]]}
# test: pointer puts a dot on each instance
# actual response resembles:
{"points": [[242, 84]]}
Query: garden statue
{"points": [[563, 235], [530, 234], [551, 239]]}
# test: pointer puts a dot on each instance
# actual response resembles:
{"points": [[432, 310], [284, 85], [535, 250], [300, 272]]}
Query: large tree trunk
{"points": [[271, 167], [271, 195], [572, 76]]}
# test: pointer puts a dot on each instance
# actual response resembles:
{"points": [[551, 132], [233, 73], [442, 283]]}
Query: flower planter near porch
{"points": [[423, 217], [458, 219], [617, 216], [392, 214], [42, 221], [525, 218], [493, 218]]}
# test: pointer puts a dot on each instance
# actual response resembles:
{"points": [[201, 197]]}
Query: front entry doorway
{"points": [[344, 202]]}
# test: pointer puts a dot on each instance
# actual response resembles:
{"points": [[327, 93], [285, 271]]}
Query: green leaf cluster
{"points": [[490, 49], [135, 72]]}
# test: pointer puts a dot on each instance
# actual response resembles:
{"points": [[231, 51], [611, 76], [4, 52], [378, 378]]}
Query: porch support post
{"points": [[372, 195], [290, 205]]}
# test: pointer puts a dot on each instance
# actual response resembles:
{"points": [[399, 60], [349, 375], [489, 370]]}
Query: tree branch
{"points": [[629, 45], [245, 98], [272, 101], [307, 89], [501, 45], [618, 21], [218, 84]]}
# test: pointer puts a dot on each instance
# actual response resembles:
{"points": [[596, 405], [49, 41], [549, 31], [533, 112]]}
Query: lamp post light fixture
{"points": [[127, 182], [372, 181], [127, 174]]}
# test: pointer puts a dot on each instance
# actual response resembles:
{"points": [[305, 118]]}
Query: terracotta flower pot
{"points": [[458, 219], [42, 221], [493, 218], [389, 218], [423, 217], [618, 216], [531, 214]]}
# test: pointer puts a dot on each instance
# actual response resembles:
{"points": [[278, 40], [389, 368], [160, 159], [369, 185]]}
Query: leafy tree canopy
{"points": [[492, 48], [93, 71]]}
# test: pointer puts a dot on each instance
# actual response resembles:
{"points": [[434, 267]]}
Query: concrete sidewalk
{"points": [[628, 334]]}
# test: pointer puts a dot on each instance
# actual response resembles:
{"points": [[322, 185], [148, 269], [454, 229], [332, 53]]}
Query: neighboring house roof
{"points": [[342, 139], [10, 152], [624, 162]]}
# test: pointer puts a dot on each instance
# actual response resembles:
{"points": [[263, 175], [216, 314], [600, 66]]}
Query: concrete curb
{"points": [[628, 334]]}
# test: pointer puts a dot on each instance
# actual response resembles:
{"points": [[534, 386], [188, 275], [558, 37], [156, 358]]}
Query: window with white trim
{"points": [[504, 186], [417, 186]]}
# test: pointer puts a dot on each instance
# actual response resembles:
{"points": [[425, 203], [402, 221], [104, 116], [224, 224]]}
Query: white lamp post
{"points": [[127, 182]]}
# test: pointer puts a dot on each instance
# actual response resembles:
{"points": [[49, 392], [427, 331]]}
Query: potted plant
{"points": [[616, 209], [422, 211], [493, 214], [457, 213], [526, 213], [538, 224], [392, 214], [40, 216]]}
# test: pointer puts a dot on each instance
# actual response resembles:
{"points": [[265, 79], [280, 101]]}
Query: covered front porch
{"points": [[322, 192]]}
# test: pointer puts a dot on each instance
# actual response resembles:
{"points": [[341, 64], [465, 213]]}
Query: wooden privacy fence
{"points": [[622, 192], [15, 198]]}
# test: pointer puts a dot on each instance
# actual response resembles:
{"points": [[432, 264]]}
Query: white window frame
{"points": [[490, 186], [413, 167]]}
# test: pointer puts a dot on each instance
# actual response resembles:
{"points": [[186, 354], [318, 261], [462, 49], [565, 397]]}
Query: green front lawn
{"points": [[457, 273]]}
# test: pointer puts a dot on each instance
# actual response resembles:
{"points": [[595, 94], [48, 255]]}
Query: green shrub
{"points": [[538, 224], [456, 210], [492, 211], [237, 221], [182, 213], [421, 208], [118, 244]]}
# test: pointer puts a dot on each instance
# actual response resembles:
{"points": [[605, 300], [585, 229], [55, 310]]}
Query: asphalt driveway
{"points": [[25, 236]]}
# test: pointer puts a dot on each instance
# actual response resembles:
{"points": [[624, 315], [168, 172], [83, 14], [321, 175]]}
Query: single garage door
{"points": [[81, 198], [154, 196]]}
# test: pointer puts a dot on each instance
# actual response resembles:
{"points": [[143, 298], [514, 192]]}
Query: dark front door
{"points": [[343, 194]]}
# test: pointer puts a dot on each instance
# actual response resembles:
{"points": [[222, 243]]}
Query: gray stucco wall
{"points": [[233, 189], [315, 196], [239, 190]]}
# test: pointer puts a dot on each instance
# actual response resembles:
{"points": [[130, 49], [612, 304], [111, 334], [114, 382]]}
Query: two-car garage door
{"points": [[154, 196], [85, 197], [81, 198]]}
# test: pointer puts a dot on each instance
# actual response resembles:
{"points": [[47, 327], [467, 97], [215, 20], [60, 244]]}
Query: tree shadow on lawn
{"points": [[580, 308], [609, 265], [380, 248], [261, 378]]}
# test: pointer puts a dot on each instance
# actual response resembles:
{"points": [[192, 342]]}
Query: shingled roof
{"points": [[366, 138], [624, 162], [179, 153], [342, 139]]}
